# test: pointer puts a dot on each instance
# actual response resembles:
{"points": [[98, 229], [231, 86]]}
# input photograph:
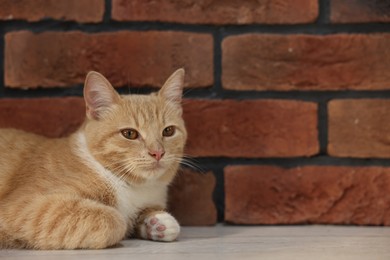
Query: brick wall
{"points": [[287, 102]]}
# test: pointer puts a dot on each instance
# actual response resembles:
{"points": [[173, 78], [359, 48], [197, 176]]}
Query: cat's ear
{"points": [[172, 90], [99, 95]]}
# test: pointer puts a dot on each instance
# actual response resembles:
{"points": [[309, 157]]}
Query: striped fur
{"points": [[91, 189]]}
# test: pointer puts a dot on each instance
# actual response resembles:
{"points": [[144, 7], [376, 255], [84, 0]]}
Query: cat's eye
{"points": [[130, 134], [169, 131]]}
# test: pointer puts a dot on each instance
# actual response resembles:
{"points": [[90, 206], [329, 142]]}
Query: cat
{"points": [[106, 181]]}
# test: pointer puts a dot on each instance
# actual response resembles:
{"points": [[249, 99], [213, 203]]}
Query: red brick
{"points": [[61, 59], [52, 117], [251, 128], [359, 128], [359, 11], [217, 12], [191, 198], [84, 11], [306, 62], [310, 194]]}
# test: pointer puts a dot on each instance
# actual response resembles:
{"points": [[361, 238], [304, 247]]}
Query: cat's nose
{"points": [[158, 154]]}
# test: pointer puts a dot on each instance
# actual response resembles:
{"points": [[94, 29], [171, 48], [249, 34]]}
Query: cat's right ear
{"points": [[172, 90], [99, 95]]}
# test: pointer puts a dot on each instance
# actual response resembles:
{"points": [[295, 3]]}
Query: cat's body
{"points": [[106, 181]]}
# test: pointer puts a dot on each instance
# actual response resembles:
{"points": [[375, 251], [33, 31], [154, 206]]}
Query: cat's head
{"points": [[137, 137]]}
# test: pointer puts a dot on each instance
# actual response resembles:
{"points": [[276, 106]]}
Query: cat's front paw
{"points": [[161, 227]]}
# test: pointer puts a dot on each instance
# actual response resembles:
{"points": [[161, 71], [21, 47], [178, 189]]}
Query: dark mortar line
{"points": [[106, 26], [214, 93], [107, 11], [112, 26], [312, 96], [219, 193], [42, 92], [210, 163], [323, 127], [217, 60], [323, 12], [219, 188], [71, 91], [308, 29], [2, 61]]}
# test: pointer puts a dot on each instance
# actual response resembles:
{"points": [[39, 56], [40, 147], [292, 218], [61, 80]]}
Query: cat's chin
{"points": [[155, 166], [156, 171], [152, 172]]}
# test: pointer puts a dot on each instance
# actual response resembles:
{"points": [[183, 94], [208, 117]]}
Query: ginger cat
{"points": [[106, 181]]}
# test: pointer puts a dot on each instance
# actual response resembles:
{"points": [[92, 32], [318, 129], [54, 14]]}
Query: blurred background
{"points": [[286, 102]]}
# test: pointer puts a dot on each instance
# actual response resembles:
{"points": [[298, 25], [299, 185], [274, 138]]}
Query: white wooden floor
{"points": [[233, 242]]}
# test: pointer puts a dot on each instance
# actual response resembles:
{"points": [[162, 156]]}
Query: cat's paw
{"points": [[160, 227]]}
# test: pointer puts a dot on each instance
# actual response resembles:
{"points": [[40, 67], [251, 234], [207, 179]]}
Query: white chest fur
{"points": [[130, 199]]}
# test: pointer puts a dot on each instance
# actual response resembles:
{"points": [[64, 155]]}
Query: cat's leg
{"points": [[63, 222], [158, 225], [7, 241]]}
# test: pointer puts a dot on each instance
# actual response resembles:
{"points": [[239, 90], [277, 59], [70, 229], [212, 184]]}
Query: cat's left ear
{"points": [[172, 90], [99, 95]]}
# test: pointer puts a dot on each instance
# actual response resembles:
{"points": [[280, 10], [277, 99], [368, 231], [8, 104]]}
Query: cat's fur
{"points": [[95, 187]]}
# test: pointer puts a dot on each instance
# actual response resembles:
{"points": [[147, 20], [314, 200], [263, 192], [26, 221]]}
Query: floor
{"points": [[233, 242]]}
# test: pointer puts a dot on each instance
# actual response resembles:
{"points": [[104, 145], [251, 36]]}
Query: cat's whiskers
{"points": [[125, 167], [186, 161], [121, 170], [116, 180], [192, 162], [115, 167], [130, 167]]}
